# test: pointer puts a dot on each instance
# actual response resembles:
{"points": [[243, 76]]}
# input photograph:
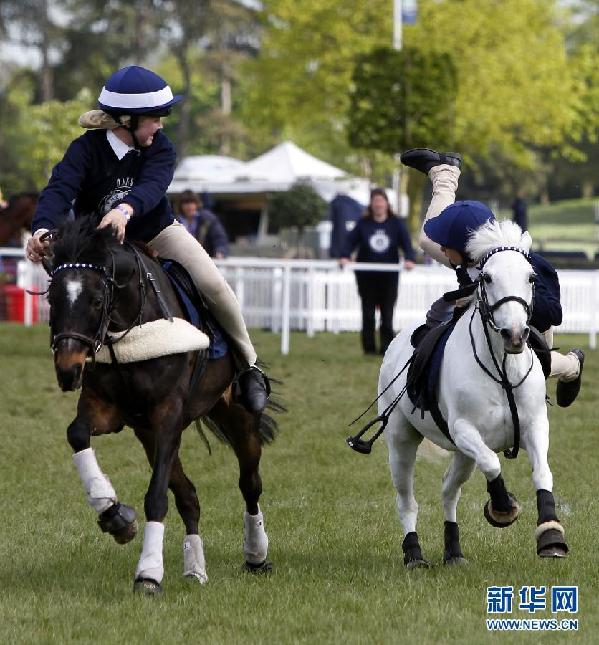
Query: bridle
{"points": [[93, 343], [109, 284], [486, 312]]}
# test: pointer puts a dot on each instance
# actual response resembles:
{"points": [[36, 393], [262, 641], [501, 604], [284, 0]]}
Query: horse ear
{"points": [[526, 241]]}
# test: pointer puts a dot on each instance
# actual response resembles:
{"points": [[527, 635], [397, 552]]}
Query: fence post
{"points": [[285, 310], [594, 316], [310, 303]]}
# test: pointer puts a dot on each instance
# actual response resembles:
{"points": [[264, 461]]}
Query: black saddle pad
{"points": [[423, 373]]}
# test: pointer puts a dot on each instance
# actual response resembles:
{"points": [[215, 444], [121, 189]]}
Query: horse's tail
{"points": [[268, 427]]}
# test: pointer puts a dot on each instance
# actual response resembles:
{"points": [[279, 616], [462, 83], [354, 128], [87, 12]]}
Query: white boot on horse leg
{"points": [[150, 568], [255, 543], [114, 518], [503, 508], [194, 563]]}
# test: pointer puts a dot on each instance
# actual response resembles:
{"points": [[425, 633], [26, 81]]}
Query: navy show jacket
{"points": [[92, 180]]}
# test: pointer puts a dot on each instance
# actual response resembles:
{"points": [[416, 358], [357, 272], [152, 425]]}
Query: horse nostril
{"points": [[525, 334], [506, 334]]}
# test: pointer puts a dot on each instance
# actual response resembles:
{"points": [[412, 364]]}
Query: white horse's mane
{"points": [[494, 234]]}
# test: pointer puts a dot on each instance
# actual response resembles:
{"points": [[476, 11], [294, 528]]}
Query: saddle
{"points": [[196, 311], [423, 373]]}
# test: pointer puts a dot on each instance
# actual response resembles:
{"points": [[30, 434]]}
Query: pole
{"points": [[397, 44], [397, 24]]}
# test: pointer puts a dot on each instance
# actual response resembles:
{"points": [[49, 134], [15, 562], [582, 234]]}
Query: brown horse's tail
{"points": [[268, 428]]}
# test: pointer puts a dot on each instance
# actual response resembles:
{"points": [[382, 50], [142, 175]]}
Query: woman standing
{"points": [[378, 236]]}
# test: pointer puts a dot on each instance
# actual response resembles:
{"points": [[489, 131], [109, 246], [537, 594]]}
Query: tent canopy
{"points": [[288, 162], [274, 171]]}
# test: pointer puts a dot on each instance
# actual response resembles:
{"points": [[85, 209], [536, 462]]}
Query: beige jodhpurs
{"points": [[175, 243], [444, 178]]}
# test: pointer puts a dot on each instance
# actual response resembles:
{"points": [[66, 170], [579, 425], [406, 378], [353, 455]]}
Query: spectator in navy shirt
{"points": [[204, 225], [119, 172], [378, 236]]}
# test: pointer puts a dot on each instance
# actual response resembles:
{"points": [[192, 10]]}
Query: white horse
{"points": [[485, 355]]}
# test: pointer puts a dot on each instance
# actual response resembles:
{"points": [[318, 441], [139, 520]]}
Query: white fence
{"points": [[312, 295]]}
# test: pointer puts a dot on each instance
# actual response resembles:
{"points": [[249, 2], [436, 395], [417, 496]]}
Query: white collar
{"points": [[119, 147]]}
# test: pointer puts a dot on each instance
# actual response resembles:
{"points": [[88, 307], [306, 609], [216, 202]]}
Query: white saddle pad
{"points": [[155, 339]]}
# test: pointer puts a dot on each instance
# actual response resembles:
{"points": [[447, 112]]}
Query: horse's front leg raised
{"points": [[166, 429], [113, 517], [549, 533], [503, 508]]}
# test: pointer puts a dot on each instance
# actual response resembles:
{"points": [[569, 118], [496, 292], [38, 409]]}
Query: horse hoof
{"points": [[555, 551], [419, 563], [126, 534], [147, 587], [266, 568], [455, 560], [551, 544], [120, 521], [501, 519], [201, 578]]}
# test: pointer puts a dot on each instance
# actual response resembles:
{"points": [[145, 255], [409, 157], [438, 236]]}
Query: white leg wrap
{"points": [[255, 540], [100, 493], [194, 564], [150, 563]]}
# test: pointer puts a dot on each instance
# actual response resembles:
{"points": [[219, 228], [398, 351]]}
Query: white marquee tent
{"points": [[274, 171]]}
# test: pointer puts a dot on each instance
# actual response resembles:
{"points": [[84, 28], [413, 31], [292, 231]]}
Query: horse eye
{"points": [[532, 279], [487, 278], [97, 303]]}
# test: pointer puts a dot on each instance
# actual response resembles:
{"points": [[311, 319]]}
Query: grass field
{"points": [[568, 225], [330, 515]]}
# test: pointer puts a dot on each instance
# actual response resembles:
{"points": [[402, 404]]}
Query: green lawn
{"points": [[568, 225], [330, 514]]}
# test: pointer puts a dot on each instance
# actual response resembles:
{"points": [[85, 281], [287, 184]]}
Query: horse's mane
{"points": [[81, 241], [494, 234]]}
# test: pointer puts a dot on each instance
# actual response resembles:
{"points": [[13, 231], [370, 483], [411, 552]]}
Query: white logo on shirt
{"points": [[379, 241], [116, 195]]}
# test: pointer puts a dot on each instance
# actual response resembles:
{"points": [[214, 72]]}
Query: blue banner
{"points": [[409, 11]]}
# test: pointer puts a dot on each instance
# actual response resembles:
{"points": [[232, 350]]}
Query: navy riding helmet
{"points": [[138, 91], [454, 225]]}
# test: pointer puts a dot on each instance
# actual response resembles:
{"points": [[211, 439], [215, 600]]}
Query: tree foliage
{"points": [[402, 99], [516, 90], [301, 206]]}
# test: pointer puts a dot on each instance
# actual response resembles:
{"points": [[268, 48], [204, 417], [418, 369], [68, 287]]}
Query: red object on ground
{"points": [[15, 304]]}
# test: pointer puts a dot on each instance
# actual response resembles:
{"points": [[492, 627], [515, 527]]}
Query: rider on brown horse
{"points": [[119, 171]]}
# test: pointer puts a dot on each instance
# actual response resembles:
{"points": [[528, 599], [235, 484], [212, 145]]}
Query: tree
{"points": [[297, 86], [516, 91], [402, 99], [38, 137], [299, 207]]}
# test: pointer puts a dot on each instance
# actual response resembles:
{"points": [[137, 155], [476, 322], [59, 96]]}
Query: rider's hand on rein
{"points": [[37, 246]]}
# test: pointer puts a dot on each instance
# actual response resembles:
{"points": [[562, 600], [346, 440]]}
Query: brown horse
{"points": [[100, 288], [16, 217]]}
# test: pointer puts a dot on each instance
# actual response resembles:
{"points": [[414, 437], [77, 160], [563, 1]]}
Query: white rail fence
{"points": [[315, 295]]}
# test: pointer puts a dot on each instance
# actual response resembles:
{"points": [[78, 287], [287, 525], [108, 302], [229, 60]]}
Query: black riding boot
{"points": [[254, 389]]}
